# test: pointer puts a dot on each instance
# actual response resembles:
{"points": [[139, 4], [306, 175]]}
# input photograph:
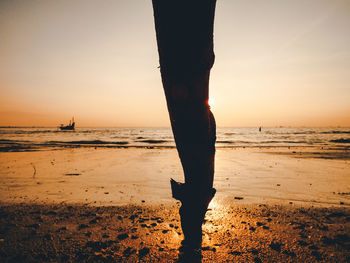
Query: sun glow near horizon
{"points": [[98, 62]]}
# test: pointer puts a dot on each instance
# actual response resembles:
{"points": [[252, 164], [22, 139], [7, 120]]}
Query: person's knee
{"points": [[194, 124], [190, 112], [178, 94]]}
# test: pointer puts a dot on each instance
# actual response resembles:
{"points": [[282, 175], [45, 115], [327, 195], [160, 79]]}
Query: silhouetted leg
{"points": [[185, 44]]}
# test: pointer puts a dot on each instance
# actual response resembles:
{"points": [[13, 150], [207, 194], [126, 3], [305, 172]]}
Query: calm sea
{"points": [[26, 139]]}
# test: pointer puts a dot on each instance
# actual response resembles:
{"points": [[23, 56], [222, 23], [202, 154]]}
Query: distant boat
{"points": [[69, 127]]}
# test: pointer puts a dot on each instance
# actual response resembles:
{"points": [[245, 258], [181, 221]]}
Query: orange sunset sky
{"points": [[277, 63]]}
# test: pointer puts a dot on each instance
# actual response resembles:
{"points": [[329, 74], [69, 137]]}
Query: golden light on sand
{"points": [[215, 210]]}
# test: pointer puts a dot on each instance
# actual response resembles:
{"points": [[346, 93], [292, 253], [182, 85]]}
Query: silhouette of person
{"points": [[184, 30]]}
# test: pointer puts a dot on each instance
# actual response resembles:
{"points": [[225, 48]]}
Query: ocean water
{"points": [[29, 139]]}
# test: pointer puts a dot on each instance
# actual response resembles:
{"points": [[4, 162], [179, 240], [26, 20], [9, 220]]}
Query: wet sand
{"points": [[115, 205], [129, 176]]}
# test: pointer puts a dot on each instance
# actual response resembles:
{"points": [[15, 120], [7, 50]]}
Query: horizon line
{"points": [[130, 127]]}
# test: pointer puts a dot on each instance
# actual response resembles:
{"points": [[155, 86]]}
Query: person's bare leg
{"points": [[185, 45]]}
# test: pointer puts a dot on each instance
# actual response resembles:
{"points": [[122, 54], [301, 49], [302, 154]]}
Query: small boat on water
{"points": [[69, 127]]}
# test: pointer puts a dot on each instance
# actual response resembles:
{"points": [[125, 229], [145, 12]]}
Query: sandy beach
{"points": [[102, 176], [236, 233], [103, 104], [274, 204]]}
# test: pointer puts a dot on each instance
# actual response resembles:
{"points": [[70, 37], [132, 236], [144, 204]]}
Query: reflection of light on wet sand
{"points": [[216, 211], [176, 237]]}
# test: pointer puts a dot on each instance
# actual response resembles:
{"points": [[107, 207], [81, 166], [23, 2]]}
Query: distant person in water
{"points": [[184, 31]]}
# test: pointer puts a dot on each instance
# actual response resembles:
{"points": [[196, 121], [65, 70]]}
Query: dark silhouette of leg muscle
{"points": [[185, 45]]}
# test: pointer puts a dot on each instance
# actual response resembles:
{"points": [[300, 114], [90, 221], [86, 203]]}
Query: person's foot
{"points": [[194, 204], [189, 254]]}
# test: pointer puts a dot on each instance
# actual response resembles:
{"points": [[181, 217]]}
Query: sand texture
{"points": [[51, 233], [115, 205]]}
